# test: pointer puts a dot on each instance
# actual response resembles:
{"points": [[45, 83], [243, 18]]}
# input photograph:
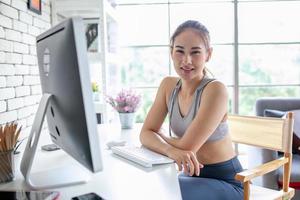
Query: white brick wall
{"points": [[24, 17], [25, 112], [13, 35], [7, 93], [28, 39], [36, 89], [6, 1], [15, 103], [20, 5], [12, 81], [34, 70], [2, 81], [32, 50], [2, 33], [20, 26], [8, 116], [38, 23], [22, 122], [21, 69], [31, 80], [2, 106], [32, 100], [46, 17], [7, 69], [2, 57], [13, 58], [21, 48], [5, 21], [20, 90], [33, 30], [8, 11], [25, 132], [29, 120], [6, 45], [29, 60]]}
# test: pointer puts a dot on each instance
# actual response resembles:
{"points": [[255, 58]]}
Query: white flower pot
{"points": [[96, 96], [127, 120]]}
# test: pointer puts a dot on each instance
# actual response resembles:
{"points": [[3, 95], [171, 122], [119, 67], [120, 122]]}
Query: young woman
{"points": [[197, 108]]}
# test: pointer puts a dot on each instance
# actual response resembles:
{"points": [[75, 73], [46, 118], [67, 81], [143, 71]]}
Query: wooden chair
{"points": [[269, 133]]}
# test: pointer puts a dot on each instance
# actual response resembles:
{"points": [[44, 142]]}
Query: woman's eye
{"points": [[179, 51], [195, 52]]}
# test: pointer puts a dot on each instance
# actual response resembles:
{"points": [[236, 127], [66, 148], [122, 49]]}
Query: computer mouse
{"points": [[115, 143]]}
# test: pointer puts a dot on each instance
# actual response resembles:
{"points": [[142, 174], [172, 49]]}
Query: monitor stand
{"points": [[53, 178]]}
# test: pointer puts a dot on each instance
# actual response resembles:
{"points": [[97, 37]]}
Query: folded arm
{"points": [[212, 111]]}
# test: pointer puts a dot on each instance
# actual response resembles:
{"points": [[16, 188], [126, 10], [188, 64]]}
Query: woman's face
{"points": [[189, 54]]}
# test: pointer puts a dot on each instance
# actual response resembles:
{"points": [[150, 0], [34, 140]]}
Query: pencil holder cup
{"points": [[7, 166]]}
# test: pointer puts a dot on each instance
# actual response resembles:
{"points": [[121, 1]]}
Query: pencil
{"points": [[9, 135]]}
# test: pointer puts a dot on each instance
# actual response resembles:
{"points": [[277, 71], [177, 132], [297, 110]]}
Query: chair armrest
{"points": [[260, 170]]}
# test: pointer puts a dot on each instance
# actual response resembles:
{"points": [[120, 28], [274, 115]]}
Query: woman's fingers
{"points": [[186, 167], [187, 162], [196, 166], [179, 165], [193, 165], [191, 168], [201, 165]]}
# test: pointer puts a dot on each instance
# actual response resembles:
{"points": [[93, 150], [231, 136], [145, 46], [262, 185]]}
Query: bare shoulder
{"points": [[159, 108], [216, 87], [169, 80], [168, 83]]}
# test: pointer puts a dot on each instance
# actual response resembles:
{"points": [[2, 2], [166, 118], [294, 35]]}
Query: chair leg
{"points": [[287, 172], [246, 190]]}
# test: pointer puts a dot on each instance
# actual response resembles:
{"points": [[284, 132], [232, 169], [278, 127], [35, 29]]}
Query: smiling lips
{"points": [[186, 69]]}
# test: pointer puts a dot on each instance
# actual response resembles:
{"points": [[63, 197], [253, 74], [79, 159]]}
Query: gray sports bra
{"points": [[178, 124]]}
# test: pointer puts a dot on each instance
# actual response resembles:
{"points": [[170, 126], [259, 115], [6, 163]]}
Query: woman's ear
{"points": [[209, 53]]}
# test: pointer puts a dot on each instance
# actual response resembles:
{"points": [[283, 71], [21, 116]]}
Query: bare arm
{"points": [[150, 134], [154, 121], [211, 112]]}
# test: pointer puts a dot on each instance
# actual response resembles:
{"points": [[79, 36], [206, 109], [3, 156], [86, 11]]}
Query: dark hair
{"points": [[203, 32]]}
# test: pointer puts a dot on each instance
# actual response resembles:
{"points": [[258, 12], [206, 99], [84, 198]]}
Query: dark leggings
{"points": [[216, 182]]}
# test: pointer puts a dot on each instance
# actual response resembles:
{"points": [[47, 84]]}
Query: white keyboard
{"points": [[141, 155]]}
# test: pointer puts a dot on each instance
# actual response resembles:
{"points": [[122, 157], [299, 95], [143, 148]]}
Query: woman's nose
{"points": [[187, 59]]}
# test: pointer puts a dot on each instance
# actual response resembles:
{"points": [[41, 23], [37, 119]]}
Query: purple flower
{"points": [[126, 101]]}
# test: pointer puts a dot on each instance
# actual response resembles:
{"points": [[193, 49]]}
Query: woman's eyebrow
{"points": [[178, 46], [193, 48], [196, 48]]}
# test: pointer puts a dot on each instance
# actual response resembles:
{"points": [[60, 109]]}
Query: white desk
{"points": [[120, 179]]}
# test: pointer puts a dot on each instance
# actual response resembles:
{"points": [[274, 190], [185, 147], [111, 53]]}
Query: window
{"points": [[263, 59]]}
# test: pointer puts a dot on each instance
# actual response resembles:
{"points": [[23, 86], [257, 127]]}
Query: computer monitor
{"points": [[67, 103]]}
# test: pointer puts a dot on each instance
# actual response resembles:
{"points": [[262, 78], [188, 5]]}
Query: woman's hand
{"points": [[185, 160]]}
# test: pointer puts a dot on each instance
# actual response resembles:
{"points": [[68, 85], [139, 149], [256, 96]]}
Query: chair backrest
{"points": [[266, 132], [269, 133]]}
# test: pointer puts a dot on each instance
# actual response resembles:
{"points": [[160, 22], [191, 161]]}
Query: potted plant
{"points": [[95, 89], [125, 103]]}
